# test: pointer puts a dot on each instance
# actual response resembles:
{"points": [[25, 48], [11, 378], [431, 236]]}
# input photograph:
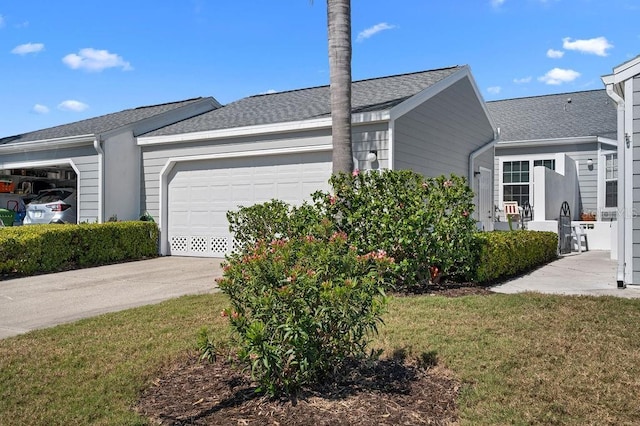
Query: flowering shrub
{"points": [[270, 220], [425, 224], [302, 306]]}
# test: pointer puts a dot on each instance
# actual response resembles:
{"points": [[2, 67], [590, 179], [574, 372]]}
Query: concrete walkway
{"points": [[590, 273], [47, 300]]}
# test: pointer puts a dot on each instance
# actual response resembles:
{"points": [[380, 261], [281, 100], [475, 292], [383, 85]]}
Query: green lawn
{"points": [[523, 359]]}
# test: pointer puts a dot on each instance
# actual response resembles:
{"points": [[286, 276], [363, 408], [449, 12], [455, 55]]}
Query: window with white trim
{"points": [[611, 180], [516, 179]]}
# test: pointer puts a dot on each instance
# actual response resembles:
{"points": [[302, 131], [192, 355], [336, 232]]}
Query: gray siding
{"points": [[635, 278], [587, 177], [122, 177], [86, 161], [154, 158], [437, 137]]}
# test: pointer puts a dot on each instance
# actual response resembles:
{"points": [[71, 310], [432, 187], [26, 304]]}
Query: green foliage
{"points": [[271, 220], [425, 224], [34, 249], [302, 306], [504, 254]]}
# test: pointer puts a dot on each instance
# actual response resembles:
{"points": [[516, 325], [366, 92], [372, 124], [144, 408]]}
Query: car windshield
{"points": [[51, 196]]}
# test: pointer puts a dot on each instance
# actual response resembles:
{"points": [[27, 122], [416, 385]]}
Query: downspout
{"points": [[621, 184], [97, 144]]}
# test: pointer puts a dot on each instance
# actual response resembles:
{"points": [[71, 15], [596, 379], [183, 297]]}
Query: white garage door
{"points": [[201, 192]]}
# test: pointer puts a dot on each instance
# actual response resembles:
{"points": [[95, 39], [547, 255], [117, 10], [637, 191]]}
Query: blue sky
{"points": [[63, 61]]}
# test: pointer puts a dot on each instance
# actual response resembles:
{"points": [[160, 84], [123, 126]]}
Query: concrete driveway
{"points": [[47, 300]]}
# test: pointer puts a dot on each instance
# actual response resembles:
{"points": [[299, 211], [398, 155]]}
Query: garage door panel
{"points": [[201, 193]]}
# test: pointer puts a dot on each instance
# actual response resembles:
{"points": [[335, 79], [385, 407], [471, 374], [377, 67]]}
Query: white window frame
{"points": [[602, 183], [559, 163]]}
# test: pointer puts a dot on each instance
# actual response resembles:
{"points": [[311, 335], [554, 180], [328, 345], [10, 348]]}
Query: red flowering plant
{"points": [[302, 306]]}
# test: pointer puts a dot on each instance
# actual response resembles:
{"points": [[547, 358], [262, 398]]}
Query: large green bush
{"points": [[505, 254], [302, 306], [28, 250], [425, 224]]}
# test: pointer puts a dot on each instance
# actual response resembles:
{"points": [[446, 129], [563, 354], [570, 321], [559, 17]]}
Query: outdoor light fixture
{"points": [[372, 156], [589, 162]]}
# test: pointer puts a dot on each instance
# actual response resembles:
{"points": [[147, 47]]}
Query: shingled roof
{"points": [[98, 125], [565, 115], [376, 94]]}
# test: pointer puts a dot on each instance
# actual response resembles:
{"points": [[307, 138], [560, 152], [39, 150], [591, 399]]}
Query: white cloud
{"points": [[497, 3], [269, 92], [522, 80], [26, 48], [555, 54], [494, 90], [595, 46], [95, 60], [71, 105], [369, 32], [558, 76], [40, 109]]}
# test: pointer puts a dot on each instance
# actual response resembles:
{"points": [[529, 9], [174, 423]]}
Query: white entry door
{"points": [[201, 192]]}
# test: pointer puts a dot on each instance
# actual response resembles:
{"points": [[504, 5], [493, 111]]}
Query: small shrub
{"points": [[504, 254], [302, 306]]}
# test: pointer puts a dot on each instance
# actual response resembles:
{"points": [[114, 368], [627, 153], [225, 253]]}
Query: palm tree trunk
{"points": [[339, 27]]}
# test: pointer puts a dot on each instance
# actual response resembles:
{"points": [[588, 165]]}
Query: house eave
{"points": [[262, 129], [553, 142], [44, 144]]}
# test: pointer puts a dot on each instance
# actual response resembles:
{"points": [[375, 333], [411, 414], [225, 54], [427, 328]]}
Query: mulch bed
{"points": [[384, 392], [387, 392]]}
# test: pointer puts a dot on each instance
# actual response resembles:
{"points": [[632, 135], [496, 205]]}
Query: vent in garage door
{"points": [[201, 192]]}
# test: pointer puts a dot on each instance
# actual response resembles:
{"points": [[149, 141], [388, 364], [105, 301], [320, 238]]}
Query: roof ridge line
{"points": [[353, 82]]}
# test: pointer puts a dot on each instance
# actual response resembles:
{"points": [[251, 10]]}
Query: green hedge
{"points": [[27, 250], [504, 254]]}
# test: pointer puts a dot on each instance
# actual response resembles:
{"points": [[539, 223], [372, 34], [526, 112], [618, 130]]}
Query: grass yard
{"points": [[523, 359]]}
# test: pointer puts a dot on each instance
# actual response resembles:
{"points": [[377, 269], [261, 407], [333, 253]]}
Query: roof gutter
{"points": [[550, 142], [39, 145], [621, 178]]}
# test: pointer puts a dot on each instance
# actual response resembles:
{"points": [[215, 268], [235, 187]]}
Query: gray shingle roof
{"points": [[377, 94], [590, 113], [97, 125]]}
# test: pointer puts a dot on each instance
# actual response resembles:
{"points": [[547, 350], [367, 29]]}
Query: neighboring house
{"points": [[98, 156], [279, 146], [623, 86], [573, 134]]}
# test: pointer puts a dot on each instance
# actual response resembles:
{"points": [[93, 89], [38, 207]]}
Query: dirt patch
{"points": [[447, 289], [386, 392]]}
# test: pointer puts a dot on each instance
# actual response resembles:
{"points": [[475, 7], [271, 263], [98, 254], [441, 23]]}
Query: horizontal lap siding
{"points": [[587, 178], [437, 137], [635, 185]]}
